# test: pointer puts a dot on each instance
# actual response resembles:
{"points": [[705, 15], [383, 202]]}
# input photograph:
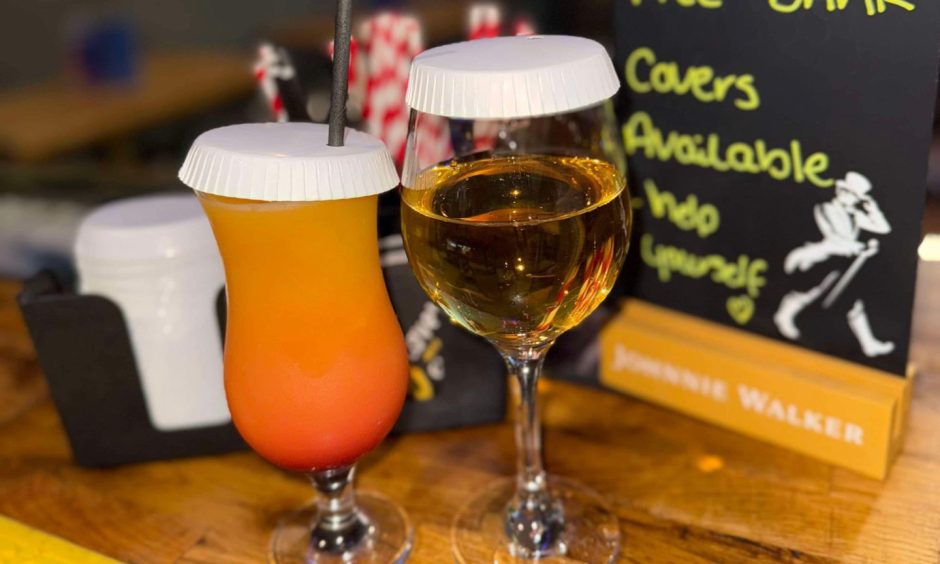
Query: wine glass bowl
{"points": [[517, 248]]}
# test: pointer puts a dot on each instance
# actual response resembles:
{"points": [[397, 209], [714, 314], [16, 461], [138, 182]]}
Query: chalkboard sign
{"points": [[778, 163]]}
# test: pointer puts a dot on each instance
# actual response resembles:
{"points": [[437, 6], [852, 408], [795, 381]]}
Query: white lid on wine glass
{"points": [[511, 77], [287, 162]]}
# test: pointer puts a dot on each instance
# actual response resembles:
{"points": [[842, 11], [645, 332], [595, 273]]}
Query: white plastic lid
{"points": [[145, 229], [287, 162], [511, 77]]}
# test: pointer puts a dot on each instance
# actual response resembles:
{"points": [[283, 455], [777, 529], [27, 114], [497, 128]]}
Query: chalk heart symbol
{"points": [[740, 308]]}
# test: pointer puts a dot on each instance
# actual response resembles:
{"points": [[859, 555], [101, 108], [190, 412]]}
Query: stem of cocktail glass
{"points": [[534, 521], [340, 527]]}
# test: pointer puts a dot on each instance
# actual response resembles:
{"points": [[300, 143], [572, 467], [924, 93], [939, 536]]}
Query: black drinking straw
{"points": [[340, 73]]}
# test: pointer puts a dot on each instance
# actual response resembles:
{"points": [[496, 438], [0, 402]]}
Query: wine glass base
{"points": [[389, 540], [591, 533]]}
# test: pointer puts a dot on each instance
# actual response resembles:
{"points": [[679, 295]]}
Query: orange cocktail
{"points": [[316, 368]]}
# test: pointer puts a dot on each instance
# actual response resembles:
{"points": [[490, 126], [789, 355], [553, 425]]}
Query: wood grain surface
{"points": [[45, 120], [684, 491]]}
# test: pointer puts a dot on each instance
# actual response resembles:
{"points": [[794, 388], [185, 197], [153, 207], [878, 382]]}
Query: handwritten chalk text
{"points": [[640, 135], [872, 7], [644, 73], [708, 4], [666, 260], [688, 215]]}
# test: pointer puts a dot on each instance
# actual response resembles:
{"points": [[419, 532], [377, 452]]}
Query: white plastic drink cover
{"points": [[287, 162], [511, 77]]}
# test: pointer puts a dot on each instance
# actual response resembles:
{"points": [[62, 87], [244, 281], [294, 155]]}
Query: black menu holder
{"points": [[85, 351]]}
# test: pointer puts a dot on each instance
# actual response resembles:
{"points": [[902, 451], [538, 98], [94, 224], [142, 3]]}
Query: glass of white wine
{"points": [[519, 233]]}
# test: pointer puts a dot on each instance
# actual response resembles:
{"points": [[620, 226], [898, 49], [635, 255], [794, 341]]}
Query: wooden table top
{"points": [[441, 22], [684, 491], [45, 120]]}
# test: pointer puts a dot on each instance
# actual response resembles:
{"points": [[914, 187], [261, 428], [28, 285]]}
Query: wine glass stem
{"points": [[527, 368], [339, 527], [534, 521]]}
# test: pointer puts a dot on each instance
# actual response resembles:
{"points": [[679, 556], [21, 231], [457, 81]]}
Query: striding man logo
{"points": [[833, 262]]}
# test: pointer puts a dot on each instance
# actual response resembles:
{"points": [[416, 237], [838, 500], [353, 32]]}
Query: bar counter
{"points": [[684, 491]]}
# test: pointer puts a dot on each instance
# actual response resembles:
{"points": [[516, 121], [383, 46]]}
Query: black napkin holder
{"points": [[85, 351]]}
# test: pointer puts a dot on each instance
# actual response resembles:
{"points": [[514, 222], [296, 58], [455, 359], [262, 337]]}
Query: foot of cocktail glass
{"points": [[534, 517], [342, 526]]}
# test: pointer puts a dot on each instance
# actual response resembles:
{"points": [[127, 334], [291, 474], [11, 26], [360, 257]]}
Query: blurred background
{"points": [[101, 98]]}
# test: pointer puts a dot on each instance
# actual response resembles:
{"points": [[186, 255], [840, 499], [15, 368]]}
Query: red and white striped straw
{"points": [[485, 21], [523, 26], [391, 41], [269, 68]]}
